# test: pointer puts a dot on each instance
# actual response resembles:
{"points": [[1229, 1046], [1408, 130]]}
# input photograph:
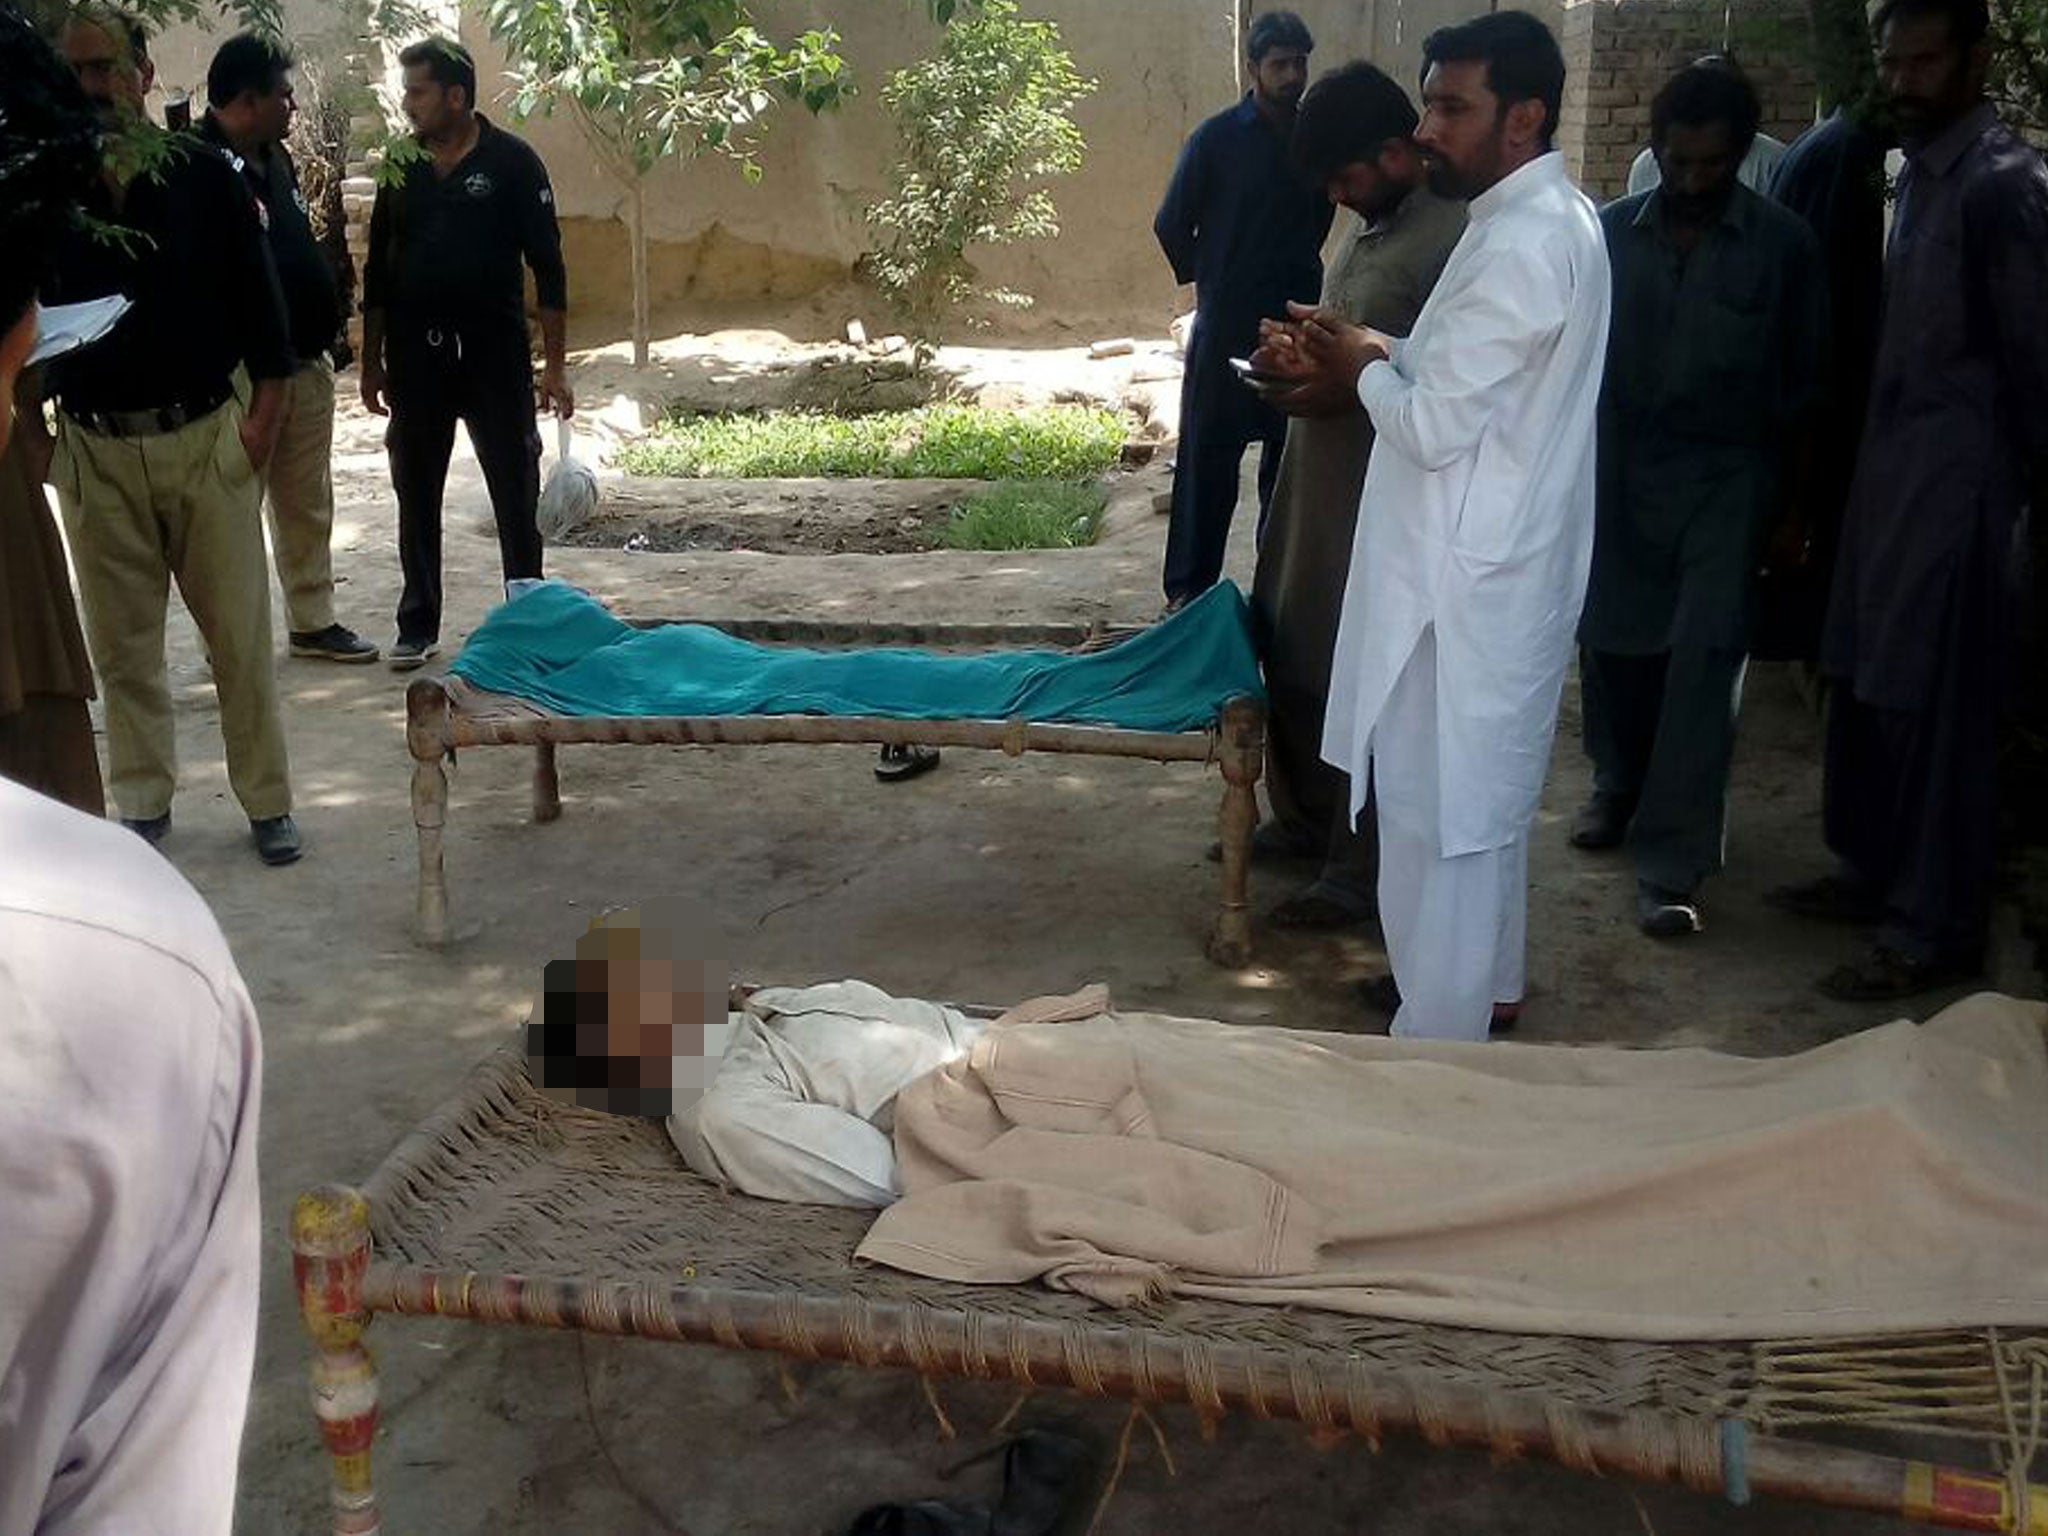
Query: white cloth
{"points": [[1754, 173], [1456, 928], [1477, 513], [800, 1107], [130, 1071]]}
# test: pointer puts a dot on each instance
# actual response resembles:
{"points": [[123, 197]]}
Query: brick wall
{"points": [[1619, 53]]}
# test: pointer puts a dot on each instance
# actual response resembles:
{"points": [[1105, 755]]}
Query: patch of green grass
{"points": [[1029, 514], [950, 442]]}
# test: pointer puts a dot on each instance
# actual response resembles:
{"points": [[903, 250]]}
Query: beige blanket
{"points": [[1893, 1180]]}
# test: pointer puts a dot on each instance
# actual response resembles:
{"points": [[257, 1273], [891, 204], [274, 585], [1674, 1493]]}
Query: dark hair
{"points": [[1277, 29], [447, 61], [247, 61], [1969, 21], [1346, 117], [49, 154], [1709, 90], [1522, 59]]}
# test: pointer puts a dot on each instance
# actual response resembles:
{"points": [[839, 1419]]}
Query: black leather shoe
{"points": [[1602, 822], [151, 829], [277, 839]]}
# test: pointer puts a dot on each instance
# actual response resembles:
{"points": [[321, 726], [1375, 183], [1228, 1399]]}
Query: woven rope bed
{"points": [[444, 715], [507, 1207]]}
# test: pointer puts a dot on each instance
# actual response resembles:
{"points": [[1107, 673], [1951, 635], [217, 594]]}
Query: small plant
{"points": [[940, 442], [983, 127], [1036, 514]]}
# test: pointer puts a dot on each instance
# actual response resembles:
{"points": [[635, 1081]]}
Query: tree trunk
{"points": [[1843, 69], [642, 339]]}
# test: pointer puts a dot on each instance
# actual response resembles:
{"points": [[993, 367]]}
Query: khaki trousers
{"points": [[300, 481], [140, 511]]}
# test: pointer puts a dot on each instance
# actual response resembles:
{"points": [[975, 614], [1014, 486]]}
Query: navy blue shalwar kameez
{"points": [[1242, 225]]}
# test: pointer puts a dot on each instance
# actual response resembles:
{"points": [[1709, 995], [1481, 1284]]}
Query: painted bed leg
{"points": [[1241, 754], [426, 722], [547, 784], [330, 1252]]}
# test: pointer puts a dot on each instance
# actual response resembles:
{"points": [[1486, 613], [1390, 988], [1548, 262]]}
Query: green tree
{"points": [[646, 80], [1845, 68], [2019, 63], [983, 127]]}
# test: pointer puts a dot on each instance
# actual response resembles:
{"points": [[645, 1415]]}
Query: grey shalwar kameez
{"points": [[1920, 627], [1382, 273], [1711, 362]]}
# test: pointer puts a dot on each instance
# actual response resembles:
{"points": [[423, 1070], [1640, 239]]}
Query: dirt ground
{"points": [[989, 880], [774, 517]]}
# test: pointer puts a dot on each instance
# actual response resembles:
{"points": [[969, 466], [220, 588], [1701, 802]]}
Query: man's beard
{"points": [[1447, 180], [1463, 183]]}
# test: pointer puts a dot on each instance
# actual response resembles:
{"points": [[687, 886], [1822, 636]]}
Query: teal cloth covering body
{"points": [[559, 648]]}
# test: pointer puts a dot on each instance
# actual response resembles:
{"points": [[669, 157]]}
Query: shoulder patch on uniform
{"points": [[547, 196]]}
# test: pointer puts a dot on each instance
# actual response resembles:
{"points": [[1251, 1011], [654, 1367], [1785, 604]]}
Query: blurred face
{"points": [[1463, 133], [1928, 81], [636, 1024], [1280, 78], [432, 108], [1697, 162], [113, 79]]}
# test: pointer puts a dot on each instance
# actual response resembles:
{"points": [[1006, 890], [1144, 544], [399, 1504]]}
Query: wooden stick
{"points": [[428, 710], [547, 784], [1328, 1392], [1241, 754], [1011, 736], [330, 1238]]}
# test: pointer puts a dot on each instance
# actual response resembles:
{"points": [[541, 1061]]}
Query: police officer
{"points": [[444, 327], [158, 466], [250, 107]]}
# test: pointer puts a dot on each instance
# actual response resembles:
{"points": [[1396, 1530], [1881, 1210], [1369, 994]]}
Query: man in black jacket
{"points": [[444, 327], [250, 107], [1246, 228]]}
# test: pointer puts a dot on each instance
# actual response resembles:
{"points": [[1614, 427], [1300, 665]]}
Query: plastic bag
{"points": [[570, 496]]}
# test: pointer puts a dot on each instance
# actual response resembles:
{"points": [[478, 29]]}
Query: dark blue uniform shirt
{"points": [[1242, 225]]}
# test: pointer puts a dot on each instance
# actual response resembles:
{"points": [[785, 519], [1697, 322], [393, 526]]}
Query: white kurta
{"points": [[803, 1102], [1477, 513], [130, 1071]]}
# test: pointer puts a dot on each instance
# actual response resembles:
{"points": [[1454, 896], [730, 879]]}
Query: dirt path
{"points": [[988, 880]]}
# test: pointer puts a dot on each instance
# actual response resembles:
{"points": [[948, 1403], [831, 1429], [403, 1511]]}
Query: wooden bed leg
{"points": [[330, 1253], [1241, 752], [547, 784], [427, 708]]}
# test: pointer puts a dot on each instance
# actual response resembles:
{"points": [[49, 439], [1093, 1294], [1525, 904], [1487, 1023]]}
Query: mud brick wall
{"points": [[1619, 53]]}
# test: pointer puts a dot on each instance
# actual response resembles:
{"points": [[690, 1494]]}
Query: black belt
{"points": [[152, 423]]}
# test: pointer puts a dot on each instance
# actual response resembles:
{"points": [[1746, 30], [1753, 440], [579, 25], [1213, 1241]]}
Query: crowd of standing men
{"points": [[212, 397], [1722, 417]]}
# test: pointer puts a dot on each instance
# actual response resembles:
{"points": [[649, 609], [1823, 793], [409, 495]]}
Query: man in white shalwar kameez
{"points": [[1475, 530]]}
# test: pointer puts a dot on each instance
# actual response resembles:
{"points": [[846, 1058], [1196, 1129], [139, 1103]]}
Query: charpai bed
{"points": [[508, 1207], [554, 669]]}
